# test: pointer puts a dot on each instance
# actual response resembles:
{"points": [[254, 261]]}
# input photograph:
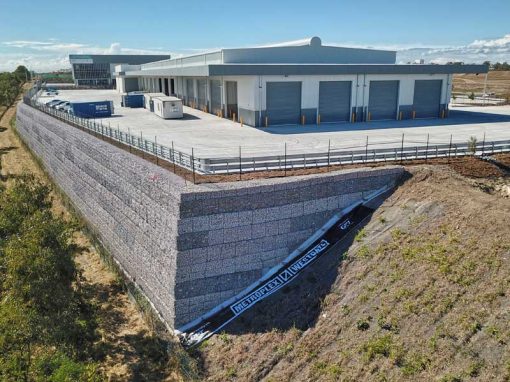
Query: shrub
{"points": [[472, 145], [360, 235], [382, 346]]}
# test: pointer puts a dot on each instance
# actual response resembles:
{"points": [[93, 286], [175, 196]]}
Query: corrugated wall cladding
{"points": [[188, 247]]}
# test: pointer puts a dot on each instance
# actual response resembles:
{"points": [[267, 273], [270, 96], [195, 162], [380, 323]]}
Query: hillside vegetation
{"points": [[65, 314], [421, 295]]}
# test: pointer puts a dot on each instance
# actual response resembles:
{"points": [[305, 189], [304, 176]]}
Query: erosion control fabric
{"points": [[193, 335]]}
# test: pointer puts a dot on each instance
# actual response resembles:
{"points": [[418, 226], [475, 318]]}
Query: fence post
{"points": [[156, 149], [402, 149], [240, 164], [129, 137], [329, 151], [142, 145], [450, 148], [427, 149], [173, 155], [193, 164], [483, 143], [285, 160], [366, 151]]}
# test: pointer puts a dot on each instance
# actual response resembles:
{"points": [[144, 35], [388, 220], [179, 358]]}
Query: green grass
{"points": [[362, 233]]}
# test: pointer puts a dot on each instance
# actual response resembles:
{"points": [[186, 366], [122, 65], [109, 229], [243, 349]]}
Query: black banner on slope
{"points": [[194, 335]]}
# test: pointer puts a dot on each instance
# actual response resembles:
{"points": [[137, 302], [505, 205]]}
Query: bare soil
{"points": [[129, 348], [498, 82], [421, 295], [503, 158]]}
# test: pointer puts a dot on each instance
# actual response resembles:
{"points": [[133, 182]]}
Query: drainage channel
{"points": [[316, 246]]}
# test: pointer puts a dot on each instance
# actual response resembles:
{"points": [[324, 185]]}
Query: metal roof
{"points": [[305, 69], [133, 59]]}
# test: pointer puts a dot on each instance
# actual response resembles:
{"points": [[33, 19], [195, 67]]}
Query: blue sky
{"points": [[41, 35]]}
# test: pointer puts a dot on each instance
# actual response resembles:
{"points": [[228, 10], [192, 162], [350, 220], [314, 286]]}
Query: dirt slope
{"points": [[498, 82], [422, 295]]}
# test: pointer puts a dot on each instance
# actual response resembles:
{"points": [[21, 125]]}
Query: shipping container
{"points": [[149, 105], [96, 109], [132, 100], [168, 107]]}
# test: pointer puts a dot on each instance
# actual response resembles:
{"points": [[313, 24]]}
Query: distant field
{"points": [[497, 82]]}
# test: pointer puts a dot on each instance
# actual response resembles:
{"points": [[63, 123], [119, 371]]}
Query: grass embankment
{"points": [[422, 295], [116, 342]]}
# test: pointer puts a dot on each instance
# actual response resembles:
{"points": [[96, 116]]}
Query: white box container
{"points": [[147, 98], [168, 107]]}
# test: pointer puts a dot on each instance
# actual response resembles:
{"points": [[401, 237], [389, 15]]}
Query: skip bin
{"points": [[96, 109], [132, 100]]}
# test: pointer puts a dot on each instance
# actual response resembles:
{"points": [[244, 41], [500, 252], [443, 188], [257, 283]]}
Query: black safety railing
{"points": [[238, 164]]}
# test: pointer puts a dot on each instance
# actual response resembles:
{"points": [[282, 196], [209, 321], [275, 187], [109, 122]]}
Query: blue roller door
{"points": [[335, 101], [283, 102], [383, 100], [427, 98]]}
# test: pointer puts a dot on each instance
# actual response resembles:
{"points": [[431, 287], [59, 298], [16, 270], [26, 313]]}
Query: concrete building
{"points": [[303, 82], [97, 69]]}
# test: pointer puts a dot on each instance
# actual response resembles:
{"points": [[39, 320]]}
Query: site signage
{"points": [[275, 280]]}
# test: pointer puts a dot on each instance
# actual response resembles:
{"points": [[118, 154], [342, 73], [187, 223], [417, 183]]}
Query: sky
{"points": [[41, 35]]}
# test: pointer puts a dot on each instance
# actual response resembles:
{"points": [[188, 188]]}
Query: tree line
{"points": [[498, 66], [10, 84], [47, 328]]}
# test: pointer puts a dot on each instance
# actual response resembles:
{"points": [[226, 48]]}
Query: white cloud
{"points": [[53, 54], [497, 49], [115, 48]]}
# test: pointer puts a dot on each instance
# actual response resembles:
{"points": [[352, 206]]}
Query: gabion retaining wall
{"points": [[188, 247]]}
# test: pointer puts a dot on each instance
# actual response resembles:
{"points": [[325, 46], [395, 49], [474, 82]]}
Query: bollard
{"points": [[400, 116], [353, 116], [241, 121], [318, 119], [233, 117], [303, 118], [266, 121], [369, 116], [414, 114]]}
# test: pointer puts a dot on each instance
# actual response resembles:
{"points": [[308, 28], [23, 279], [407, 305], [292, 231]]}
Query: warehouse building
{"points": [[97, 69], [303, 82]]}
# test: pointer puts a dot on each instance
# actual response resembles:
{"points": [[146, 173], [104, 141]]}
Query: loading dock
{"points": [[166, 86], [427, 98], [202, 94], [283, 103], [215, 96], [383, 100], [335, 101], [231, 98], [190, 91]]}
